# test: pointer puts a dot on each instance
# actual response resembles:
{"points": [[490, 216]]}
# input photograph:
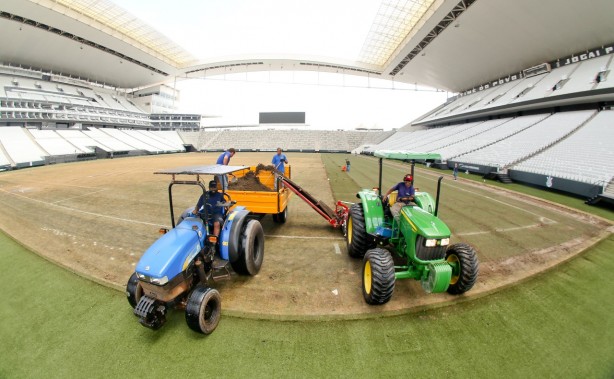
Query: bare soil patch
{"points": [[97, 218]]}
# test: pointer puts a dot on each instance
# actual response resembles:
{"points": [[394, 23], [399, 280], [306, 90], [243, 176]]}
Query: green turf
{"points": [[56, 324]]}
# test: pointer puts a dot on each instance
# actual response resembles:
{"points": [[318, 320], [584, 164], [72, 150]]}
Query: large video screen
{"points": [[282, 118]]}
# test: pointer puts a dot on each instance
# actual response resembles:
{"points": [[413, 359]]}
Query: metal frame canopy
{"points": [[395, 154], [202, 170]]}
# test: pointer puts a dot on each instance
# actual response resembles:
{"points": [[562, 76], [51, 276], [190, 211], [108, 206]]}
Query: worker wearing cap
{"points": [[405, 194], [215, 210]]}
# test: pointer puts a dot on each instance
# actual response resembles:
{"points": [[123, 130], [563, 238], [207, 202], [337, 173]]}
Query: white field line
{"points": [[82, 211], [501, 230], [148, 223], [337, 249], [76, 197]]}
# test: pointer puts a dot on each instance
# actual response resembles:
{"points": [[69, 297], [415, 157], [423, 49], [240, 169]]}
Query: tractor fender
{"points": [[230, 233], [373, 210], [425, 201]]}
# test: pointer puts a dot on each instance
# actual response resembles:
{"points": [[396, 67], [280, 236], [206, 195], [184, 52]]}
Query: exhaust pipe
{"points": [[437, 199]]}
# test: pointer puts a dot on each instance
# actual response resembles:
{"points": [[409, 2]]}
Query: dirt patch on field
{"points": [[97, 218]]}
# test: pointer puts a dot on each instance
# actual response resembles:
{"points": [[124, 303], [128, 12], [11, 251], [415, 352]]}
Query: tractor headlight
{"points": [[160, 281], [141, 276], [435, 242], [430, 243]]}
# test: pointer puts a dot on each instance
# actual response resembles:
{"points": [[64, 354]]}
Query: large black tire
{"points": [[203, 310], [377, 276], [281, 217], [134, 290], [465, 267], [251, 249], [358, 241]]}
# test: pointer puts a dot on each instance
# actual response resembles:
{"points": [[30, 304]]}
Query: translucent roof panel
{"points": [[131, 28], [394, 21]]}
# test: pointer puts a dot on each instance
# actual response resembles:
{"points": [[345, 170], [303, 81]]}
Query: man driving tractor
{"points": [[214, 208], [405, 194]]}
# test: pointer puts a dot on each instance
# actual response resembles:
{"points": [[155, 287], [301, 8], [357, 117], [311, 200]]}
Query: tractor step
{"points": [[220, 269]]}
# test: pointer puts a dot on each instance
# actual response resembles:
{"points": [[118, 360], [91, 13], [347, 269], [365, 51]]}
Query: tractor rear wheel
{"points": [[465, 267], [358, 241], [377, 276], [251, 249], [134, 290], [203, 310]]}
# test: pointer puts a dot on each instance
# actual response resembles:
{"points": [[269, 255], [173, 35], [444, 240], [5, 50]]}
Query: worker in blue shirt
{"points": [[224, 159], [215, 209], [279, 160], [405, 194]]}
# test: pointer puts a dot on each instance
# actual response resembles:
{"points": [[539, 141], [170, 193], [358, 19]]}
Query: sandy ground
{"points": [[96, 218]]}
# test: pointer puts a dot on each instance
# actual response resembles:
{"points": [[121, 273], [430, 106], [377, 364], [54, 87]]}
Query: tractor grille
{"points": [[429, 253]]}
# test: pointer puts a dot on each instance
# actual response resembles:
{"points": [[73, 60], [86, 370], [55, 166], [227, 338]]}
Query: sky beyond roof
{"points": [[215, 29]]}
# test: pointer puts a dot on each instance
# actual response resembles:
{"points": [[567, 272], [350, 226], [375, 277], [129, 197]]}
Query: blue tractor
{"points": [[179, 269]]}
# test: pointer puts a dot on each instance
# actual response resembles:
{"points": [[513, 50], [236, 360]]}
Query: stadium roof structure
{"points": [[451, 45]]}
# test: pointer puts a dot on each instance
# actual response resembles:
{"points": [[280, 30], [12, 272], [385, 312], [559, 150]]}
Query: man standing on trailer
{"points": [[224, 159], [278, 162]]}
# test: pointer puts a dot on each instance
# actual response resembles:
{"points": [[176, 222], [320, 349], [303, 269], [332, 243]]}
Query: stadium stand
{"points": [[289, 140], [527, 141], [581, 156], [514, 123], [21, 147]]}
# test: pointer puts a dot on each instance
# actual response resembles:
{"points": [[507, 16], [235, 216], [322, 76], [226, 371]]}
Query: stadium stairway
{"points": [[606, 196], [500, 176]]}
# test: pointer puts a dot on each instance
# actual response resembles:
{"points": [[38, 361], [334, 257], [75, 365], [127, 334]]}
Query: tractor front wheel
{"points": [[203, 310], [357, 239], [134, 290], [465, 267], [377, 276], [251, 249]]}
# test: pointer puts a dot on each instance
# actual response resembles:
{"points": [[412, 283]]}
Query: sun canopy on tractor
{"points": [[406, 155], [202, 170]]}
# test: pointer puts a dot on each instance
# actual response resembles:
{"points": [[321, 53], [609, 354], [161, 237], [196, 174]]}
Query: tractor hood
{"points": [[171, 253], [424, 223]]}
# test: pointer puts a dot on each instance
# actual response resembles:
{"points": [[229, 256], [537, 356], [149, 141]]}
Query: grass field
{"points": [[56, 324]]}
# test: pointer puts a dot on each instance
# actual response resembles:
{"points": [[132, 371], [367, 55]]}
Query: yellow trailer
{"points": [[271, 199]]}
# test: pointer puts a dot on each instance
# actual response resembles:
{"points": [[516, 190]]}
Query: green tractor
{"points": [[413, 245]]}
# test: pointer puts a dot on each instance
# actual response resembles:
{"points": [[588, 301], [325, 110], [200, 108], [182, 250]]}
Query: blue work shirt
{"points": [[278, 162], [220, 159], [403, 190], [212, 207]]}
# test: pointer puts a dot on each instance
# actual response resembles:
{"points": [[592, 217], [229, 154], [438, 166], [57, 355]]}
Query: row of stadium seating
{"points": [[22, 147], [32, 100], [575, 78], [575, 145], [295, 140]]}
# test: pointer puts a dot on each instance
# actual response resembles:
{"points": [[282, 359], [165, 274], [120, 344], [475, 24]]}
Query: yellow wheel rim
{"points": [[455, 263], [366, 277], [349, 231]]}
